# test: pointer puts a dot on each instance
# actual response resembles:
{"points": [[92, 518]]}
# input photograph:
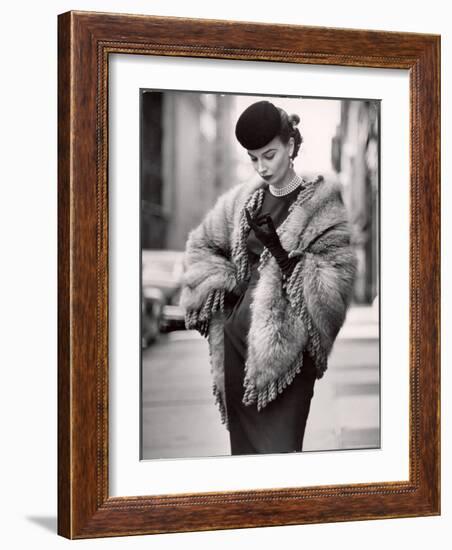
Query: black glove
{"points": [[265, 231]]}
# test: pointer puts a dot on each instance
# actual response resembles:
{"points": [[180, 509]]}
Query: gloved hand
{"points": [[265, 231]]}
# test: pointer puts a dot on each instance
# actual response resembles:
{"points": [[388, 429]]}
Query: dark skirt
{"points": [[277, 428]]}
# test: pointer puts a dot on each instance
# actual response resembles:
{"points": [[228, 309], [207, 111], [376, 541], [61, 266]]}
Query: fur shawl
{"points": [[288, 317]]}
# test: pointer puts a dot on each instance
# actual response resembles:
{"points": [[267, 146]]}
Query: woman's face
{"points": [[272, 162]]}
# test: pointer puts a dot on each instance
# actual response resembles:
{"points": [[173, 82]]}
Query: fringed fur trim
{"points": [[271, 391], [239, 251], [266, 370], [288, 316], [216, 358], [221, 405], [213, 303], [317, 348]]}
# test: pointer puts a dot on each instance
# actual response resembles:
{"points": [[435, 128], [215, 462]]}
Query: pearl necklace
{"points": [[281, 191]]}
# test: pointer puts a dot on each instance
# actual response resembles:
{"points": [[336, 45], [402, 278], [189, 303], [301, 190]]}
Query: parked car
{"points": [[163, 270], [152, 304]]}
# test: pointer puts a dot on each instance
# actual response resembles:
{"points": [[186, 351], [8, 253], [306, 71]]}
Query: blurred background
{"points": [[189, 157]]}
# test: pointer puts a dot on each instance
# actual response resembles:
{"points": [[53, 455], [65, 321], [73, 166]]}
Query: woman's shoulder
{"points": [[323, 189]]}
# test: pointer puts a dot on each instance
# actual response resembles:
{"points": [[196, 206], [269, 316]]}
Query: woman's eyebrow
{"points": [[265, 152]]}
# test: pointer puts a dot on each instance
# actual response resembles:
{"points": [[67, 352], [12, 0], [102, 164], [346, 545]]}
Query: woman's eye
{"points": [[265, 157]]}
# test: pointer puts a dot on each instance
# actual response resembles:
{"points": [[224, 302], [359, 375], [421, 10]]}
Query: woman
{"points": [[269, 276]]}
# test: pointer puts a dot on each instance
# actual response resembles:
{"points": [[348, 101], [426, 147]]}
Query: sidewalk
{"points": [[345, 409], [361, 323], [180, 418]]}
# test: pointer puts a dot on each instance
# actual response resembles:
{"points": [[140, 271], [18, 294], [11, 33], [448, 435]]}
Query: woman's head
{"points": [[271, 138], [262, 121]]}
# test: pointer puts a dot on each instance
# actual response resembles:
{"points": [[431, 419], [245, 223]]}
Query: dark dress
{"points": [[278, 427]]}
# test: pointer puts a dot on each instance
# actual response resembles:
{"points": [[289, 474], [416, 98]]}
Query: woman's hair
{"points": [[262, 121], [289, 129]]}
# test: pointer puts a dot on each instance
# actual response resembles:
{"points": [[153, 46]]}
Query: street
{"points": [[180, 418]]}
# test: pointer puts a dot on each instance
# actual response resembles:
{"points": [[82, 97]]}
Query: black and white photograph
{"points": [[259, 274], [226, 225]]}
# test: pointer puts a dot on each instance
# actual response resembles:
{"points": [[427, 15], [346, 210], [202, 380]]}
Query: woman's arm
{"points": [[329, 275], [321, 284], [209, 273]]}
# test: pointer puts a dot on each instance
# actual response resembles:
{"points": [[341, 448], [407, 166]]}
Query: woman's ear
{"points": [[291, 146]]}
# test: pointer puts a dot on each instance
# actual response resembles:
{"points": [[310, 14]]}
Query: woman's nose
{"points": [[261, 168]]}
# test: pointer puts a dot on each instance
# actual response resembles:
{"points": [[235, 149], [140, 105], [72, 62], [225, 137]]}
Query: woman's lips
{"points": [[266, 177]]}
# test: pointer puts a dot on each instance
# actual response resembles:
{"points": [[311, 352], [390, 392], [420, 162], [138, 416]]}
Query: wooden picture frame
{"points": [[85, 42]]}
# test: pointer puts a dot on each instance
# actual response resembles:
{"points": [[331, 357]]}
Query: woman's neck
{"points": [[291, 182], [287, 178]]}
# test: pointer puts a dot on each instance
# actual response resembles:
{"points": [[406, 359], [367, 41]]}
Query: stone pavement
{"points": [[180, 418], [345, 409]]}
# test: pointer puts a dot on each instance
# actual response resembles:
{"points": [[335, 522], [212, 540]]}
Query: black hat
{"points": [[258, 125]]}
